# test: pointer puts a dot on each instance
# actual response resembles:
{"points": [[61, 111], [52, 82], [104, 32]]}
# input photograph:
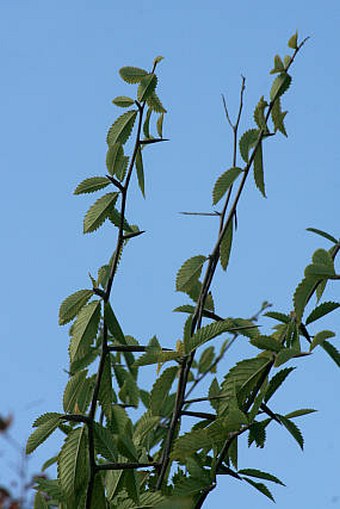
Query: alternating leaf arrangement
{"points": [[114, 457]]}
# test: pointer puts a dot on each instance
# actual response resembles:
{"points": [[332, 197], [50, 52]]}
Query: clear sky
{"points": [[59, 63]]}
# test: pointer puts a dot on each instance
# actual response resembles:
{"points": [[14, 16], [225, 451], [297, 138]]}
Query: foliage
{"points": [[113, 457]]}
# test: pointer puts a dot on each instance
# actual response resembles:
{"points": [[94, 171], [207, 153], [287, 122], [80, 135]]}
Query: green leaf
{"points": [[77, 393], [161, 388], [132, 74], [71, 306], [259, 115], [300, 413], [140, 171], [104, 442], [262, 488], [155, 104], [278, 65], [73, 463], [121, 130], [292, 43], [248, 141], [253, 472], [49, 486], [40, 501], [209, 332], [224, 182], [287, 60], [206, 359], [280, 317], [116, 161], [186, 308], [278, 117], [266, 343], [257, 433], [280, 85], [320, 337], [99, 211], [113, 324], [155, 355], [46, 424], [302, 295], [123, 101], [189, 273], [285, 355], [323, 234], [197, 439], [85, 327], [319, 271], [159, 125], [276, 382], [258, 170], [91, 185], [146, 124], [146, 87], [115, 218], [293, 430], [188, 486], [98, 494], [225, 246], [145, 425], [332, 352], [107, 396]]}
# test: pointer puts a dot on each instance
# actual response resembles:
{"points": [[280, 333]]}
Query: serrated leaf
{"points": [[113, 324], [280, 317], [209, 332], [278, 117], [91, 185], [46, 424], [71, 306], [332, 352], [161, 388], [85, 328], [300, 413], [198, 439], [48, 463], [146, 87], [132, 74], [224, 182], [292, 43], [280, 85], [77, 393], [154, 103], [262, 488], [189, 272], [121, 130], [206, 359], [323, 234], [116, 219], [247, 141], [105, 443], [285, 355], [257, 434], [253, 472], [301, 296], [116, 161], [186, 308], [140, 171], [258, 170], [107, 396], [98, 493], [159, 125], [123, 101], [319, 271], [287, 60], [293, 430], [276, 382], [225, 246], [320, 337], [259, 115], [146, 124], [99, 211], [73, 463], [146, 424], [266, 343]]}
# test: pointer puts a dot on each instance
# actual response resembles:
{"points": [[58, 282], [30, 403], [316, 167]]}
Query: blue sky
{"points": [[59, 73]]}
